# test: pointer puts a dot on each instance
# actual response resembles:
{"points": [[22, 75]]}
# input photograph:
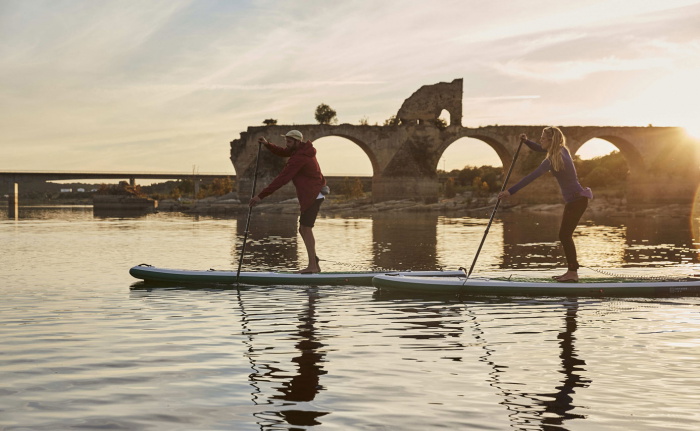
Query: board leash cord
{"points": [[635, 277], [604, 272]]}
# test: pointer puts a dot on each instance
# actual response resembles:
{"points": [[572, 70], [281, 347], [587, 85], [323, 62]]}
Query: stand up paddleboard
{"points": [[498, 287], [359, 278]]}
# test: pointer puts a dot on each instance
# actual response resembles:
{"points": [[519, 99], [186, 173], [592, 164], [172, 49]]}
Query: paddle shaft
{"points": [[495, 208], [250, 210]]}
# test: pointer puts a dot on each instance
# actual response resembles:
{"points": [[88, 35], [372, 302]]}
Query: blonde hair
{"points": [[554, 151]]}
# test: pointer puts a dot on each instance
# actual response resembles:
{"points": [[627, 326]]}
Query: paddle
{"points": [[498, 202], [250, 210]]}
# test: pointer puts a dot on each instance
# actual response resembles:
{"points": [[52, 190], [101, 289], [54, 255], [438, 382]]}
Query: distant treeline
{"points": [[47, 191], [610, 170], [185, 188]]}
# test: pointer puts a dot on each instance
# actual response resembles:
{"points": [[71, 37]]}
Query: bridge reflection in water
{"points": [[516, 241]]}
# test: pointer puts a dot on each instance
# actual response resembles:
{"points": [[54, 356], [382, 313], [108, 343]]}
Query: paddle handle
{"points": [[495, 208], [250, 210]]}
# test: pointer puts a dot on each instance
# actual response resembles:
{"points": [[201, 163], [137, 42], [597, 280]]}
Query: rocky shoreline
{"points": [[457, 206]]}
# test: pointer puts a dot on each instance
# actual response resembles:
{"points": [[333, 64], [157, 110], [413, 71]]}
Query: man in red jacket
{"points": [[302, 169]]}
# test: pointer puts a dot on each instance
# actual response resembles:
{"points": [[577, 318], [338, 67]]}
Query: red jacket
{"points": [[302, 169]]}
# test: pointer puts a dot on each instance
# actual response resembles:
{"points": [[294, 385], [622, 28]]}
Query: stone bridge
{"points": [[662, 161]]}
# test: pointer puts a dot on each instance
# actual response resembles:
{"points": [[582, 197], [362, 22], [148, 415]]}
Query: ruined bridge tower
{"points": [[412, 170], [426, 104]]}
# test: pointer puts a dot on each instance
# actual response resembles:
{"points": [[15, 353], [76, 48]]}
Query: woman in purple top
{"points": [[576, 197]]}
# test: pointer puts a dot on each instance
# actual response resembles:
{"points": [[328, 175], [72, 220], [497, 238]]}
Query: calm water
{"points": [[84, 347]]}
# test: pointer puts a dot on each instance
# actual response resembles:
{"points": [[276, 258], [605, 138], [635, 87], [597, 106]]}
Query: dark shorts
{"points": [[308, 217]]}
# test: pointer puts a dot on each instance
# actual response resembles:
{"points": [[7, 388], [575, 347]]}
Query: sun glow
{"points": [[673, 101], [693, 130]]}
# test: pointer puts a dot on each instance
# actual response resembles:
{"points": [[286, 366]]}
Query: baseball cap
{"points": [[294, 134]]}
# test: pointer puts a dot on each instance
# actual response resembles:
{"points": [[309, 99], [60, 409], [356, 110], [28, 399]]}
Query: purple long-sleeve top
{"points": [[571, 189]]}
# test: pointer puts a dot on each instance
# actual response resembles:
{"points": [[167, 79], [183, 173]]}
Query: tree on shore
{"points": [[218, 187], [121, 189], [351, 188]]}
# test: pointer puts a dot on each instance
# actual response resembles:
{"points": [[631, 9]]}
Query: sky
{"points": [[164, 86]]}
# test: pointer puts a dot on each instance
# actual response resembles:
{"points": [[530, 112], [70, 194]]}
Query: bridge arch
{"points": [[633, 156], [503, 152], [357, 141], [468, 151]]}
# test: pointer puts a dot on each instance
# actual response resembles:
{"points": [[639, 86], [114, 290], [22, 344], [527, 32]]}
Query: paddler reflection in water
{"points": [[303, 170], [576, 197]]}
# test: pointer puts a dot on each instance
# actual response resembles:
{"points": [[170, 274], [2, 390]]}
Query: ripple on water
{"points": [[81, 350]]}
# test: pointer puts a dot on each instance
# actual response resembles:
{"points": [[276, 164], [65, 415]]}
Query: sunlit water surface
{"points": [[84, 347]]}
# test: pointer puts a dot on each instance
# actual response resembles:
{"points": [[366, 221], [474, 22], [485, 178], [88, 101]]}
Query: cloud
{"points": [[273, 86], [564, 71], [498, 98], [657, 42]]}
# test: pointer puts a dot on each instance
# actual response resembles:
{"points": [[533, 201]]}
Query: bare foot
{"points": [[567, 277], [310, 270]]}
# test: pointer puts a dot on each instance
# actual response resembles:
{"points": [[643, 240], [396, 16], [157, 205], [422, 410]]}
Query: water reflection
{"points": [[650, 239], [420, 241], [303, 386], [531, 241], [572, 367], [427, 242], [391, 241], [405, 242], [550, 409], [453, 320], [272, 241], [47, 212], [121, 213]]}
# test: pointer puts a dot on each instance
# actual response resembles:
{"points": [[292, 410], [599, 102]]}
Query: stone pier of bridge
{"points": [[13, 200], [662, 161]]}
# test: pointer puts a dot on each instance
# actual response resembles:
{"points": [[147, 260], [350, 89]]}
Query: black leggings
{"points": [[572, 214]]}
